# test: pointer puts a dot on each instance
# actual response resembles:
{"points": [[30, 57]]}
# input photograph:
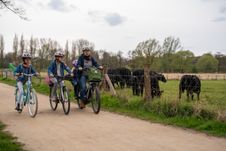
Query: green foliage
{"points": [[207, 63]]}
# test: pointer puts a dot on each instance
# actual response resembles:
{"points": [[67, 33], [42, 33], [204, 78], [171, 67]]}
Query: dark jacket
{"points": [[26, 70], [52, 69], [81, 62]]}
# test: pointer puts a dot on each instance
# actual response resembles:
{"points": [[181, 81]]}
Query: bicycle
{"points": [[62, 95], [29, 97], [92, 93]]}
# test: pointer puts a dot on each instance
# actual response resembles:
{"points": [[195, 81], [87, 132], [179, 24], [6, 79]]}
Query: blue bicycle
{"points": [[29, 97]]}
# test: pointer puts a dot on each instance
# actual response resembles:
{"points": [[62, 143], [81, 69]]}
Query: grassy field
{"points": [[7, 142], [206, 115]]}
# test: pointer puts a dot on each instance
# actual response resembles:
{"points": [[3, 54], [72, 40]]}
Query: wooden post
{"points": [[147, 84], [110, 84]]}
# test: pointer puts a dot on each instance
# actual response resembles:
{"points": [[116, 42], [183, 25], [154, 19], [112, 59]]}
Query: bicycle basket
{"points": [[94, 75]]}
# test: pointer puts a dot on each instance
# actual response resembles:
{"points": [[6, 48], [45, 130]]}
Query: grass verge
{"points": [[7, 142]]}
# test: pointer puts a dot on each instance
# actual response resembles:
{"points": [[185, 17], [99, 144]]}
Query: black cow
{"points": [[190, 83], [138, 82], [120, 76]]}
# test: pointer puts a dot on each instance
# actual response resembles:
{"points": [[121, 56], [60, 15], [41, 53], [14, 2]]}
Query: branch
{"points": [[19, 12]]}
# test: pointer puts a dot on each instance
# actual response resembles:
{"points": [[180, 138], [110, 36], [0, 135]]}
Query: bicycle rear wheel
{"points": [[32, 104], [53, 104], [95, 100], [65, 101]]}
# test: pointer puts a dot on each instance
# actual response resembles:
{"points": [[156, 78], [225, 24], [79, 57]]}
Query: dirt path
{"points": [[85, 131]]}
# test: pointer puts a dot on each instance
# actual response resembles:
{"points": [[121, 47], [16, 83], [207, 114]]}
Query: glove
{"points": [[80, 68], [51, 75]]}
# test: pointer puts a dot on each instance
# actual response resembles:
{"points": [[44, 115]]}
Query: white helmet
{"points": [[26, 55], [59, 53], [89, 48]]}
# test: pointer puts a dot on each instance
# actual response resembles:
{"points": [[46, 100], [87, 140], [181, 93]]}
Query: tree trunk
{"points": [[147, 84]]}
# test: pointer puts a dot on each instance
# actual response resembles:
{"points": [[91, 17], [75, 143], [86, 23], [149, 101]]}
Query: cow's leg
{"points": [[198, 95], [192, 95], [187, 94], [180, 93]]}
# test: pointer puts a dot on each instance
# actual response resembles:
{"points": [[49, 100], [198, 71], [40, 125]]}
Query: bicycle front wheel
{"points": [[53, 103], [95, 100], [32, 104], [66, 101]]}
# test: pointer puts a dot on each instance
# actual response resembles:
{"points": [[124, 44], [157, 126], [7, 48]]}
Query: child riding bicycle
{"points": [[24, 68], [56, 68], [85, 61]]}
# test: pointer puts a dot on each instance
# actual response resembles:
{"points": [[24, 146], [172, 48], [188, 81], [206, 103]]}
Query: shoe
{"points": [[82, 105], [17, 107]]}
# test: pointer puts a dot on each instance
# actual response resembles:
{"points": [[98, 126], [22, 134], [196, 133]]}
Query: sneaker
{"points": [[82, 105], [17, 107]]}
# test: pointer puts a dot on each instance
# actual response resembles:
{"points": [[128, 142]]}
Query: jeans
{"points": [[20, 92], [83, 87], [55, 85]]}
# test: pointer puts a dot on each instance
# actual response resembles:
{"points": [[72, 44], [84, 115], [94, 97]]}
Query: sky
{"points": [[121, 24]]}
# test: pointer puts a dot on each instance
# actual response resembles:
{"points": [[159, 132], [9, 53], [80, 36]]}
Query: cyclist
{"points": [[85, 61], [56, 68], [26, 68]]}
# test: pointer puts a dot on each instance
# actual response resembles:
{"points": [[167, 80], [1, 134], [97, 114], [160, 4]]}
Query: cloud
{"points": [[112, 19], [220, 19], [60, 5], [223, 10]]}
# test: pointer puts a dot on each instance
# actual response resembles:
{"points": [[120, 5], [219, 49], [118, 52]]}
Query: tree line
{"points": [[167, 57]]}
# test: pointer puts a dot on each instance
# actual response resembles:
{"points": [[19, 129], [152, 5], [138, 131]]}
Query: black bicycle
{"points": [[92, 90], [62, 95]]}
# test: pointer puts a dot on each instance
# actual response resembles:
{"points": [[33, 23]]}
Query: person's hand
{"points": [[51, 75], [101, 67], [79, 68], [37, 74]]}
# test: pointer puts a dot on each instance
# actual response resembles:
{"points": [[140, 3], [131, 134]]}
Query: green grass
{"points": [[7, 142], [206, 115]]}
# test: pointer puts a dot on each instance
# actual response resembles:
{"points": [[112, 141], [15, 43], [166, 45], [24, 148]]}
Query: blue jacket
{"points": [[52, 69], [81, 62], [26, 70]]}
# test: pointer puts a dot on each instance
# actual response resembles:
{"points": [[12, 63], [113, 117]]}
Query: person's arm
{"points": [[50, 69], [17, 71], [33, 71], [95, 64], [67, 68], [79, 64]]}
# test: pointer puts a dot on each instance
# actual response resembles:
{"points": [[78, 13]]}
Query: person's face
{"points": [[27, 61], [87, 53], [58, 58]]}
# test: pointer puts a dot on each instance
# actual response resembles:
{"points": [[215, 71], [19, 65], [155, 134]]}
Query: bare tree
{"points": [[73, 50], [147, 51], [81, 43], [22, 45], [67, 55], [9, 5], [15, 49], [1, 51]]}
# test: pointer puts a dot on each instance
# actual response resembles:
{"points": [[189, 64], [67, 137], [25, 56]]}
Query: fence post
{"points": [[147, 84], [106, 77]]}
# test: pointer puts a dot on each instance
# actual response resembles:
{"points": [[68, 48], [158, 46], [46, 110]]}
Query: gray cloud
{"points": [[60, 5], [220, 19], [223, 10], [112, 19]]}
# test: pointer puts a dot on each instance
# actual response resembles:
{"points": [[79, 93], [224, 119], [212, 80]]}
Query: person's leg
{"points": [[53, 93], [83, 87], [20, 94]]}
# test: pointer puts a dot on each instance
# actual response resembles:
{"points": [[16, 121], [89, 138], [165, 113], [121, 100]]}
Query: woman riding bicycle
{"points": [[24, 68], [85, 61], [56, 68]]}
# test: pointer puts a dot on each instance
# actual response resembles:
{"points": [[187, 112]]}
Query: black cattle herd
{"points": [[134, 79]]}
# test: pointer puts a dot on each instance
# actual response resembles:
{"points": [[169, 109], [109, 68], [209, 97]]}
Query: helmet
{"points": [[86, 48], [26, 55], [59, 53]]}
